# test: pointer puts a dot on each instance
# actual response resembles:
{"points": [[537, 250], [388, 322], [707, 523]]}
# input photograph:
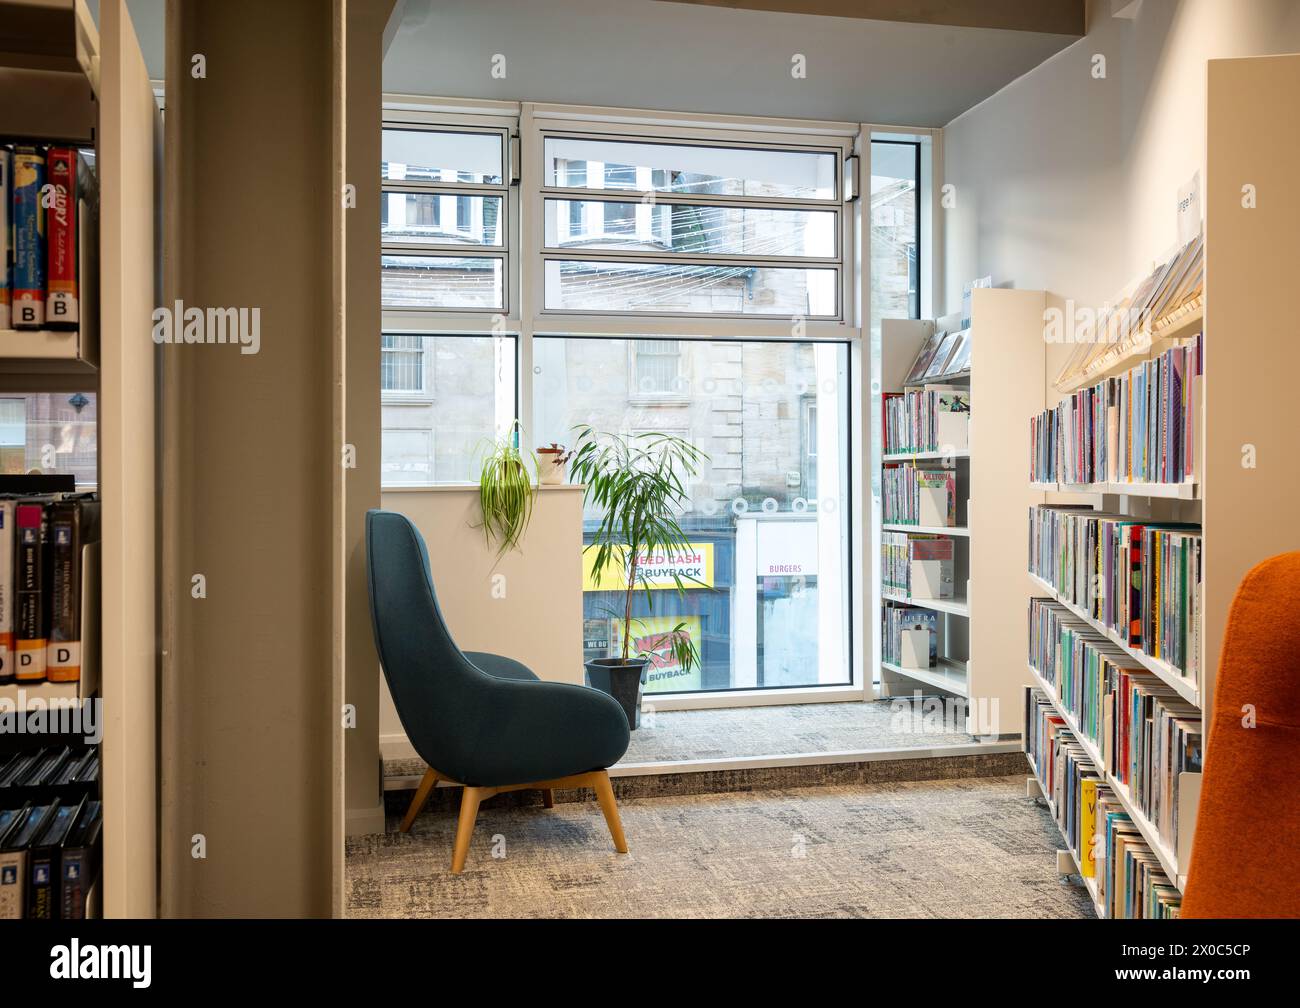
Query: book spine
{"points": [[72, 888], [63, 653], [6, 197], [42, 892], [30, 640], [61, 279], [28, 306], [6, 592], [13, 876]]}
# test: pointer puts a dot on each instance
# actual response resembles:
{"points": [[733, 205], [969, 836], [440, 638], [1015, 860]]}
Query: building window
{"points": [[438, 420], [401, 366], [774, 611], [656, 368]]}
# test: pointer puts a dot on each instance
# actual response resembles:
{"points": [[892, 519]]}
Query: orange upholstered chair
{"points": [[1246, 854]]}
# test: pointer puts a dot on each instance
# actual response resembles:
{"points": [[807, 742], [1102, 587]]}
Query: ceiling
{"points": [[692, 58]]}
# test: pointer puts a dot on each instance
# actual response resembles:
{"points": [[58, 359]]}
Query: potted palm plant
{"points": [[637, 484]]}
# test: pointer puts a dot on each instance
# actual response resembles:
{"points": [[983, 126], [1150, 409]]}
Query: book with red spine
{"points": [[61, 301]]}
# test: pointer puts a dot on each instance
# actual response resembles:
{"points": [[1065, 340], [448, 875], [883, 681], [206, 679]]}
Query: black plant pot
{"points": [[621, 681]]}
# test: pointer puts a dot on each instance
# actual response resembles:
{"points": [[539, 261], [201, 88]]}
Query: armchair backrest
{"points": [[437, 691]]}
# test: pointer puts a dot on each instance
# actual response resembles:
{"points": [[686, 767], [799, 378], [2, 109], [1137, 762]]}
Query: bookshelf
{"points": [[1245, 511], [62, 81], [981, 631]]}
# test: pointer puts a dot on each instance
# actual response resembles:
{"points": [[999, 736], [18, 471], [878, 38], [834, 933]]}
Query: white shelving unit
{"points": [[982, 630], [64, 82]]}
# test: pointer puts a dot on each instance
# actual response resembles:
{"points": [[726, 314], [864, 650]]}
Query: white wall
{"points": [[1067, 183], [533, 615]]}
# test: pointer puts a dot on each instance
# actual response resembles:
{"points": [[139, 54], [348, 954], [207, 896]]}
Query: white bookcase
{"points": [[64, 81], [982, 629], [1246, 512]]}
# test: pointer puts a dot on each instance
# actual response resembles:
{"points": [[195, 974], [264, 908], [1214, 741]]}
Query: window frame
{"points": [[534, 132], [523, 235], [396, 119]]}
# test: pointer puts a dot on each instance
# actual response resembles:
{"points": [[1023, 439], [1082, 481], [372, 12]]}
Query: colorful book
{"points": [[28, 298], [72, 524], [61, 303], [30, 634], [6, 592]]}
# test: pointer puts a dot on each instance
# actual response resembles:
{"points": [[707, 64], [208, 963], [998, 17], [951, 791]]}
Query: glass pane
{"points": [[440, 219], [696, 230], [412, 281], [684, 168], [767, 519], [895, 214], [36, 427], [583, 285], [466, 396], [432, 156]]}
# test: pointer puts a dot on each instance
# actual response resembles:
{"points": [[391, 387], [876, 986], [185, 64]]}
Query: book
{"points": [[6, 591], [960, 361], [13, 858], [72, 525], [28, 291], [939, 362], [61, 303], [6, 198], [81, 861], [45, 862], [30, 639], [923, 358]]}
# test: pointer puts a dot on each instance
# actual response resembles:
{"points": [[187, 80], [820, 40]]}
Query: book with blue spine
{"points": [[28, 299], [6, 197]]}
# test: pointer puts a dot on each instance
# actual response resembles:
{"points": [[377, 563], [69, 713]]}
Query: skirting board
{"points": [[359, 822]]}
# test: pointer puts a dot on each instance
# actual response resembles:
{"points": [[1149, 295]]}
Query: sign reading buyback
{"points": [[655, 567]]}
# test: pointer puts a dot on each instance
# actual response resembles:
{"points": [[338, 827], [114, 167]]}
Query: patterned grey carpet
{"points": [[974, 847]]}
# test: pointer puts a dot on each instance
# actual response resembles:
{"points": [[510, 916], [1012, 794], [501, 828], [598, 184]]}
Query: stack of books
{"points": [[1141, 579], [50, 856], [1146, 733], [1139, 427], [919, 496], [919, 566], [897, 619], [41, 573], [44, 193], [1122, 872], [933, 419]]}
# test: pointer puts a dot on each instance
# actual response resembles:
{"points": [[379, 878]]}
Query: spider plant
{"points": [[505, 491], [637, 485]]}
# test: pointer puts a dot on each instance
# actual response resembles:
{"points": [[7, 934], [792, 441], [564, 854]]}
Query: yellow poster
{"points": [[694, 566], [653, 635]]}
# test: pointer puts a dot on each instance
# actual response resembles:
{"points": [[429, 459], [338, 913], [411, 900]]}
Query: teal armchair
{"points": [[479, 720]]}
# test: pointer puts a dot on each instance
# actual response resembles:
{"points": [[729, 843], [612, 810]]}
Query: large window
{"points": [[739, 231], [521, 247], [769, 512]]}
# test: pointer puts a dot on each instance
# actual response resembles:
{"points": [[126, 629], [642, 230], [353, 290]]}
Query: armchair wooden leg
{"points": [[605, 795], [465, 828], [548, 798], [427, 784]]}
